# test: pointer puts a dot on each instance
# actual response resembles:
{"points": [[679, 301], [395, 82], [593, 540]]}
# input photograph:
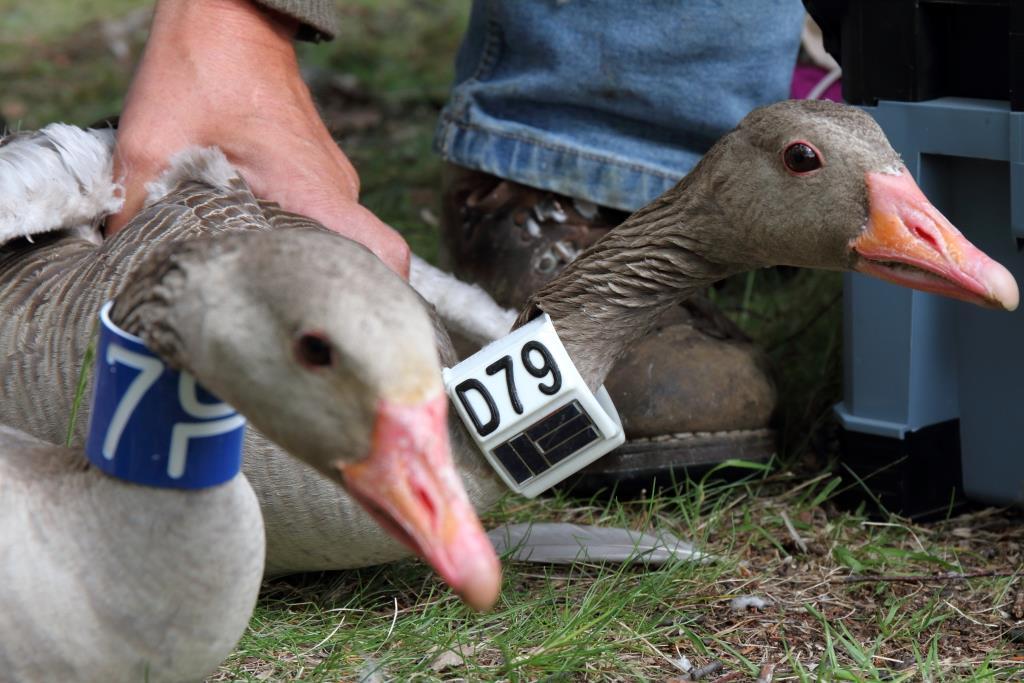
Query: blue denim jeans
{"points": [[611, 100]]}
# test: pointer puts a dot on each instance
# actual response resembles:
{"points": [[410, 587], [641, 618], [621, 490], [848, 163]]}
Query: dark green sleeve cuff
{"points": [[319, 18]]}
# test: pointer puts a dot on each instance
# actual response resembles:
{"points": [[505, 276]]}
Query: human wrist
{"points": [[238, 27], [225, 73], [213, 62]]}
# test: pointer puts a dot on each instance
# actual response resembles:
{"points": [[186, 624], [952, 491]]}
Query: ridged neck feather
{"points": [[616, 291]]}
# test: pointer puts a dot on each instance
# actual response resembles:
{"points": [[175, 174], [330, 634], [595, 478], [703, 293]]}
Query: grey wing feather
{"points": [[563, 543]]}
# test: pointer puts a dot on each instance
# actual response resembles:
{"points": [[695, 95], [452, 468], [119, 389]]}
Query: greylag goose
{"points": [[130, 577], [419, 499], [801, 183], [52, 285]]}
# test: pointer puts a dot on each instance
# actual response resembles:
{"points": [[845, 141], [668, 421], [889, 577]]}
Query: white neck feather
{"points": [[466, 309]]}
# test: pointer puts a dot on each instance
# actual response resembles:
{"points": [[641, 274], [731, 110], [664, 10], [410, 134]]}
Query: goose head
{"points": [[817, 184], [331, 356]]}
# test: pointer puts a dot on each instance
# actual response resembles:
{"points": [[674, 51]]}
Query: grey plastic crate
{"points": [[915, 360]]}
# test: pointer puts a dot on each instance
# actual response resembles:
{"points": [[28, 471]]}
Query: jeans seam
{"points": [[471, 127], [492, 47]]}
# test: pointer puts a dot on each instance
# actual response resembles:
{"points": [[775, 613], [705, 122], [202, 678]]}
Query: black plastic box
{"points": [[914, 50]]}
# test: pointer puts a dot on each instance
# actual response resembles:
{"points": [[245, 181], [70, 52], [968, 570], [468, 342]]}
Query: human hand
{"points": [[224, 72]]}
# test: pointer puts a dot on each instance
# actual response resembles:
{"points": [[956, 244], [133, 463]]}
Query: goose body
{"points": [[741, 208], [103, 579], [109, 581]]}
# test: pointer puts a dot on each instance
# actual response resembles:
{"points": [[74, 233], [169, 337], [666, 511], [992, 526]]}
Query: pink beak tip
{"points": [[1002, 286]]}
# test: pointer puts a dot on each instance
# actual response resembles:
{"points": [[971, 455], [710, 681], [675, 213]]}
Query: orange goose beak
{"points": [[409, 484], [909, 242]]}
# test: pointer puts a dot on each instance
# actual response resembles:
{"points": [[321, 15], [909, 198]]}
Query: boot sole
{"points": [[662, 462]]}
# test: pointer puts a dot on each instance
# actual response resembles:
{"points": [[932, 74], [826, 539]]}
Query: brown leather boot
{"points": [[693, 393], [509, 238]]}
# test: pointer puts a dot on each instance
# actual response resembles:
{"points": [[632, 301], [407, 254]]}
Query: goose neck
{"points": [[615, 292], [153, 425]]}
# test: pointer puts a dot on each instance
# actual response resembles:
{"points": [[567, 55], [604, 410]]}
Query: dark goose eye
{"points": [[313, 350], [801, 158]]}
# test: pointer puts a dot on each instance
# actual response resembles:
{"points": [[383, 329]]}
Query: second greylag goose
{"points": [[801, 183], [811, 184]]}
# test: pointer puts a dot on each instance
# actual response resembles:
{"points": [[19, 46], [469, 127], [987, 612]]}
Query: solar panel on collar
{"points": [[546, 443]]}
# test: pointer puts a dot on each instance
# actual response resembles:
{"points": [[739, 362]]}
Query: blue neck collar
{"points": [[156, 426]]}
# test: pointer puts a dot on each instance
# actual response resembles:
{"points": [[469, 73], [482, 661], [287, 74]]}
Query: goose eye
{"points": [[313, 350], [801, 158]]}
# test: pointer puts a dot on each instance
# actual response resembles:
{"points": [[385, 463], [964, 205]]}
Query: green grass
{"points": [[56, 64], [588, 622], [84, 372], [616, 623], [50, 21]]}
